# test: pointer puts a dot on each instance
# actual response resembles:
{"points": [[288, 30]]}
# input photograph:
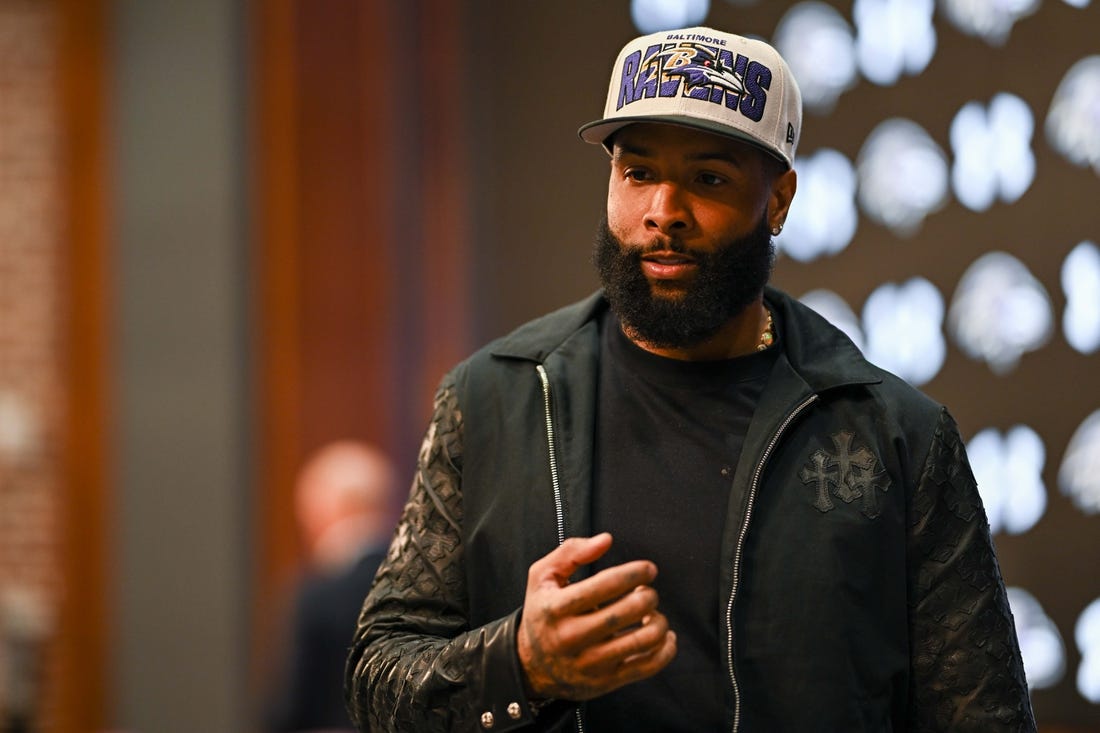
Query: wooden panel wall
{"points": [[360, 239], [79, 691]]}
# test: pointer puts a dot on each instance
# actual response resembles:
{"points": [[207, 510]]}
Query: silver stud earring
{"points": [[777, 230]]}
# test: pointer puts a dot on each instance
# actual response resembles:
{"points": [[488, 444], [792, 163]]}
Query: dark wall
{"points": [[540, 70]]}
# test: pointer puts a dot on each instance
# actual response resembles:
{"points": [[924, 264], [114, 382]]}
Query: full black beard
{"points": [[728, 280]]}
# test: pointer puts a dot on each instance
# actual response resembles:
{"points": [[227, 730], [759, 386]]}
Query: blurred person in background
{"points": [[24, 634], [345, 504]]}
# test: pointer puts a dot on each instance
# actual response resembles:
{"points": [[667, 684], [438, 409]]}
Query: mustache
{"points": [[668, 245]]}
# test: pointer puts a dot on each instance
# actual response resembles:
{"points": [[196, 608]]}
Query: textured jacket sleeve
{"points": [[415, 665], [966, 669]]}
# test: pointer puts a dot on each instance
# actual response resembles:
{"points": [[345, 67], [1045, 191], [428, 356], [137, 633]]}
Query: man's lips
{"points": [[668, 265]]}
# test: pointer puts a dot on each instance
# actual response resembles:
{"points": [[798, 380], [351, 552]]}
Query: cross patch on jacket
{"points": [[849, 474]]}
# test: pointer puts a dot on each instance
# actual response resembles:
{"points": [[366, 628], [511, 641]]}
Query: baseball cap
{"points": [[707, 79]]}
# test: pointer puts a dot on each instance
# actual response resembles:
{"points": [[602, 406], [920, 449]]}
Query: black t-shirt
{"points": [[668, 437]]}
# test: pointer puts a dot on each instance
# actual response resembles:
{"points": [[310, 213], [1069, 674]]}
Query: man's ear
{"points": [[783, 188]]}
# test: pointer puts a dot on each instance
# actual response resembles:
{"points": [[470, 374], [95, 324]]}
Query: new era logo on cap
{"points": [[708, 79]]}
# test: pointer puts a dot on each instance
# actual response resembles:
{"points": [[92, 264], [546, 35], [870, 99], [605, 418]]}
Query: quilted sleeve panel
{"points": [[415, 665], [966, 669]]}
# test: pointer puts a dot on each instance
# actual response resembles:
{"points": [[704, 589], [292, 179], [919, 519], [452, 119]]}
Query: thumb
{"points": [[560, 564]]}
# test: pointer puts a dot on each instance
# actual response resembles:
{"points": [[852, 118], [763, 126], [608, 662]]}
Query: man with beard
{"points": [[825, 563]]}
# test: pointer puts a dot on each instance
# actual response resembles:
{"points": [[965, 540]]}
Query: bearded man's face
{"points": [[725, 281], [686, 243]]}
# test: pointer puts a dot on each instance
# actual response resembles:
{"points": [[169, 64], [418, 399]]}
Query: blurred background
{"points": [[234, 231]]}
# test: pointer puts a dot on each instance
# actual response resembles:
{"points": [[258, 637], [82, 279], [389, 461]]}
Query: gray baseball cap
{"points": [[706, 79]]}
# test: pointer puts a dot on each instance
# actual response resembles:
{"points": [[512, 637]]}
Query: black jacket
{"points": [[859, 588]]}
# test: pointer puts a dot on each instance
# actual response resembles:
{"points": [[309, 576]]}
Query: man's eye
{"points": [[637, 174], [710, 179]]}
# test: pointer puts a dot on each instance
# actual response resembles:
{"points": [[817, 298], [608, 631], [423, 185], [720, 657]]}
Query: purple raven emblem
{"points": [[706, 69]]}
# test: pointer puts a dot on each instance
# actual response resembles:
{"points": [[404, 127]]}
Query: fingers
{"points": [[568, 557], [604, 586], [580, 640], [597, 625], [559, 565], [645, 665], [631, 656], [636, 654]]}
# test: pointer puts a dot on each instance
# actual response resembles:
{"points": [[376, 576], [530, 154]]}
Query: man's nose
{"points": [[668, 211]]}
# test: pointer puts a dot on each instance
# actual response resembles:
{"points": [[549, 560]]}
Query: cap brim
{"points": [[598, 131]]}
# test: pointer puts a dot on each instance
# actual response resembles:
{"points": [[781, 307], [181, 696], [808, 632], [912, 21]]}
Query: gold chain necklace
{"points": [[767, 337]]}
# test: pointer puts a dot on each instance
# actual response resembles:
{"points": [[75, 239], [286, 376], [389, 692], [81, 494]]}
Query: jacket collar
{"points": [[818, 351], [536, 340]]}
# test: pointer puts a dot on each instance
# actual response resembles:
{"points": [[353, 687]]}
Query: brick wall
{"points": [[30, 386]]}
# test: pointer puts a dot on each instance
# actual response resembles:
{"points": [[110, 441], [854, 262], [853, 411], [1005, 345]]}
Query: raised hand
{"points": [[577, 641]]}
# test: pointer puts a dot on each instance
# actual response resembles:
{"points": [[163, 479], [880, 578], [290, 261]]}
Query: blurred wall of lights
{"points": [[999, 310]]}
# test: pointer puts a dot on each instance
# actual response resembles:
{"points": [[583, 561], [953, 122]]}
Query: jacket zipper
{"points": [[740, 550], [559, 505]]}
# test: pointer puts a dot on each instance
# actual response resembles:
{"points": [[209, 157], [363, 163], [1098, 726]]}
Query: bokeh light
{"points": [[993, 157], [837, 312], [1079, 475], [902, 175], [991, 20], [823, 216], [1041, 645], [1087, 635], [1073, 122], [1009, 471], [818, 45], [18, 429], [1081, 285], [894, 37], [902, 328], [999, 312], [651, 16]]}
